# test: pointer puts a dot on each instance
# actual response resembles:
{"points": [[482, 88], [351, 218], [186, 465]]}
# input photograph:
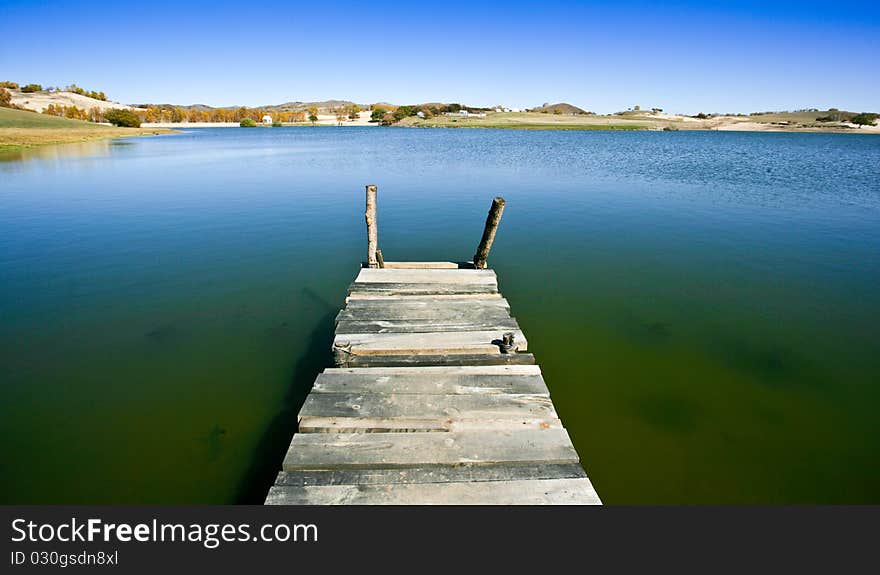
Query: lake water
{"points": [[704, 306]]}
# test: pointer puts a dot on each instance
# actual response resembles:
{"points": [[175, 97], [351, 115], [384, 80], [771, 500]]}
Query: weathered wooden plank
{"points": [[577, 491], [458, 342], [392, 405], [380, 296], [430, 303], [452, 473], [425, 326], [425, 276], [439, 370], [415, 290], [335, 412], [368, 450], [428, 265], [441, 311], [436, 360], [440, 383], [422, 425], [427, 288]]}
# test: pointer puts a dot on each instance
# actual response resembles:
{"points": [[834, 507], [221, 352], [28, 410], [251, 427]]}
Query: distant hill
{"points": [[560, 108], [200, 107], [326, 105]]}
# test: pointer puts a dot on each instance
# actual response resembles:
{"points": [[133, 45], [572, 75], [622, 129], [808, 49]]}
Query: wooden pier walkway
{"points": [[434, 400]]}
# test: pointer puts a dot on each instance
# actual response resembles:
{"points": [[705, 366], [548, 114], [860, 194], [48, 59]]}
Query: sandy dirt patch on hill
{"points": [[39, 101]]}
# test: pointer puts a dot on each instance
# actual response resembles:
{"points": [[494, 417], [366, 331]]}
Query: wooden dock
{"points": [[434, 399]]}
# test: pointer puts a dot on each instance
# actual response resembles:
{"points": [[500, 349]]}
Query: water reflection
{"points": [[11, 161]]}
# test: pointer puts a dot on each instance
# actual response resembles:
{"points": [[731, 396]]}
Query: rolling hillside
{"points": [[39, 101]]}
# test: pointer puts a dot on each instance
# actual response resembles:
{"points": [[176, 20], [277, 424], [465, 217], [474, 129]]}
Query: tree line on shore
{"points": [[384, 114]]}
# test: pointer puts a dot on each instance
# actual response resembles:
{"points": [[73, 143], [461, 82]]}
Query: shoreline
{"points": [[585, 126], [641, 121], [14, 140], [625, 128]]}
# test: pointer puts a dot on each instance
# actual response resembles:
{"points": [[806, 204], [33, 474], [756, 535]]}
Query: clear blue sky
{"points": [[680, 56]]}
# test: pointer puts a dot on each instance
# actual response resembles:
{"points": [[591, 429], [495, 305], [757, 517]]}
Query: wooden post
{"points": [[341, 353], [492, 221], [380, 259], [372, 230], [508, 342]]}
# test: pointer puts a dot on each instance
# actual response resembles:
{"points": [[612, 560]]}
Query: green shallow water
{"points": [[703, 305]]}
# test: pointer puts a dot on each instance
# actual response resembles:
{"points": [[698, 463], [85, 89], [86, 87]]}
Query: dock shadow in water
{"points": [[270, 450], [283, 330], [668, 412], [214, 442], [771, 365], [645, 332], [162, 334]]}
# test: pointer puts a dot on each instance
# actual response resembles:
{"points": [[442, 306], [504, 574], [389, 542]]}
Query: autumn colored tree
{"points": [[90, 93], [95, 114], [154, 114], [5, 98], [32, 88], [8, 84], [75, 113], [313, 113]]}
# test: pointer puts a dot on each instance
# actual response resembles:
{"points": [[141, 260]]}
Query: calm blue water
{"points": [[704, 305]]}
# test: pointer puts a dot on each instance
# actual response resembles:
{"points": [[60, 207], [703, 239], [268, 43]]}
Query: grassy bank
{"points": [[642, 120], [526, 121], [20, 130]]}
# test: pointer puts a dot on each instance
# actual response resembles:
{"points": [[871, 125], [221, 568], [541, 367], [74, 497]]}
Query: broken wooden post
{"points": [[492, 221], [341, 353], [372, 230], [379, 258], [508, 343]]}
